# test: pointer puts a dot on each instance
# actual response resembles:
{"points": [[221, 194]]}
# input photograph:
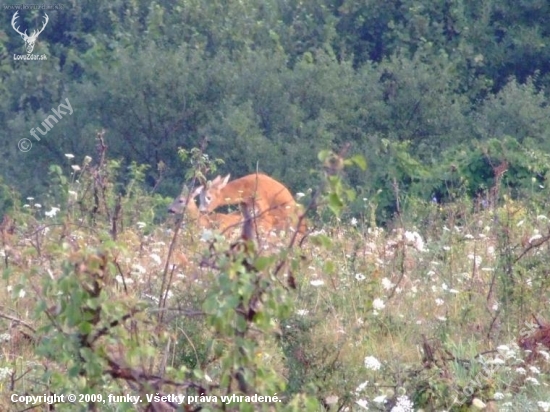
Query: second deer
{"points": [[186, 203]]}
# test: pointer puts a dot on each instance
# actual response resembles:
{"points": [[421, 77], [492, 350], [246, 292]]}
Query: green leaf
{"points": [[335, 203], [323, 154], [359, 162], [263, 262], [350, 194], [328, 267]]}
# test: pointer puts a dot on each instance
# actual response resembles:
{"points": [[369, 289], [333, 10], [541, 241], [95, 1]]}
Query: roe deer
{"points": [[268, 199], [220, 221]]}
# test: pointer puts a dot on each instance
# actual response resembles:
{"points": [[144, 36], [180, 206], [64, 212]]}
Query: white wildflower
{"points": [[439, 302], [476, 258], [76, 168], [153, 298], [495, 361], [380, 399], [361, 387], [534, 370], [498, 396], [521, 371], [372, 363], [545, 406], [69, 156], [360, 277], [5, 372], [317, 282], [37, 205], [386, 284], [507, 352], [378, 304], [403, 404], [122, 281], [156, 258], [22, 293], [302, 312], [478, 403], [363, 404], [353, 221], [141, 225], [535, 237], [415, 240], [532, 380], [299, 195], [468, 236], [331, 399], [52, 212]]}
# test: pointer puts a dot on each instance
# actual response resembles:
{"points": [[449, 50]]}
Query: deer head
{"points": [[29, 40]]}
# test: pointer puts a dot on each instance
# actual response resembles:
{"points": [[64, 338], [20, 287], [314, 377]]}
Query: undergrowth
{"points": [[444, 311]]}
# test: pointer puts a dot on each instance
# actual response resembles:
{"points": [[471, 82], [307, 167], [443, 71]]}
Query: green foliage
{"points": [[360, 316], [270, 85], [520, 111], [8, 198], [447, 104]]}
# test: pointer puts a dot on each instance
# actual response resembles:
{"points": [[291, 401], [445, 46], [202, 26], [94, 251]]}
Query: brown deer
{"points": [[269, 200]]}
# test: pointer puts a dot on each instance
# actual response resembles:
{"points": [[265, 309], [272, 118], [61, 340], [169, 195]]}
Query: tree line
{"points": [[432, 94]]}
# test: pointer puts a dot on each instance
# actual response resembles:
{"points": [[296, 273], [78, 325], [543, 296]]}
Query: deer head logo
{"points": [[29, 40]]}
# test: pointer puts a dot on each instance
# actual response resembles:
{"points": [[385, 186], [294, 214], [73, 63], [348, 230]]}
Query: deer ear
{"points": [[197, 191], [226, 179], [215, 181]]}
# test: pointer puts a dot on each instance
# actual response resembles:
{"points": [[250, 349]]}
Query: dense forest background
{"points": [[435, 94]]}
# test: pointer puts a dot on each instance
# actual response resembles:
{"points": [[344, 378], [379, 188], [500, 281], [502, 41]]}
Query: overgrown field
{"points": [[443, 311]]}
